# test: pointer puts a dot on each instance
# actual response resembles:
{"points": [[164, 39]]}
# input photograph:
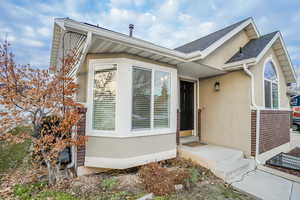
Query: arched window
{"points": [[271, 86]]}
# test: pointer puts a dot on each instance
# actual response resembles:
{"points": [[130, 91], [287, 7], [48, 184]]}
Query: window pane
{"points": [[141, 98], [161, 99], [275, 95], [104, 99], [270, 72], [267, 94]]}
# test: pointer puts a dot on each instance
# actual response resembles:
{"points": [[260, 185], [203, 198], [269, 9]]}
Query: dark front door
{"points": [[186, 105]]}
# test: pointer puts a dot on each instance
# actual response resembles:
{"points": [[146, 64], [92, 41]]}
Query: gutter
{"points": [[253, 104]]}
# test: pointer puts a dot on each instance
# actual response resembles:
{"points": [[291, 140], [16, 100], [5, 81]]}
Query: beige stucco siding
{"points": [[257, 71], [109, 147], [225, 115], [221, 55]]}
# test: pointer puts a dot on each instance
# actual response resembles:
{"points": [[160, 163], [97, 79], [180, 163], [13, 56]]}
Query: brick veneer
{"points": [[274, 129], [253, 132], [81, 131]]}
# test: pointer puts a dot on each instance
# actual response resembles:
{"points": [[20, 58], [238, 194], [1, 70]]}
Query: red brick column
{"points": [[81, 131], [253, 132]]}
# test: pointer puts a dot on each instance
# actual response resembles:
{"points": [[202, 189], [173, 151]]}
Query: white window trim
{"points": [[270, 59], [152, 130], [91, 75]]}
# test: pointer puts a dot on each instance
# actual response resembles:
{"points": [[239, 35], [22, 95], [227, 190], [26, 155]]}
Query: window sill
{"points": [[143, 133]]}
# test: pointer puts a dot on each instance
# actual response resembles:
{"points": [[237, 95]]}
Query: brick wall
{"points": [[253, 132], [274, 129], [81, 131]]}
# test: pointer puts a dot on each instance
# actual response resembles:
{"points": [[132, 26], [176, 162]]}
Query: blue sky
{"points": [[28, 24]]}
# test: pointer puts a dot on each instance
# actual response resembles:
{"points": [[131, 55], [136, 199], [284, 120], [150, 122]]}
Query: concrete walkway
{"points": [[268, 186]]}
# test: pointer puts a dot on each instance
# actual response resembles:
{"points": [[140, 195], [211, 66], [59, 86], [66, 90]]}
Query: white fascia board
{"points": [[267, 47], [120, 38], [277, 36], [229, 35], [60, 22], [288, 57], [238, 64], [54, 49]]}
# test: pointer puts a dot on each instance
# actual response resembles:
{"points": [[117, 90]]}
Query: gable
{"points": [[218, 57], [254, 53], [253, 48], [208, 44], [258, 74]]}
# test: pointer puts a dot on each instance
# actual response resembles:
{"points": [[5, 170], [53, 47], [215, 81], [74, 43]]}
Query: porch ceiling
{"points": [[197, 70]]}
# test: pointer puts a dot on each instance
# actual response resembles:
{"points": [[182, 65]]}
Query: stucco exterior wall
{"points": [[129, 147], [258, 71], [226, 114], [221, 55]]}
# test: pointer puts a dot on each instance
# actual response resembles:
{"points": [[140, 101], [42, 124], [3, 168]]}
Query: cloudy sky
{"points": [[28, 24]]}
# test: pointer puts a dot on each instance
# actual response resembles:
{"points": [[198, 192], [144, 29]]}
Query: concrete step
{"points": [[228, 164], [230, 170]]}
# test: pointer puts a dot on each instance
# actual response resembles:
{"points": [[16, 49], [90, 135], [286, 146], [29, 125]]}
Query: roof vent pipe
{"points": [[131, 27], [241, 50]]}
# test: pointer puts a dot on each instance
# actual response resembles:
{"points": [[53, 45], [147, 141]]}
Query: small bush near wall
{"points": [[159, 180]]}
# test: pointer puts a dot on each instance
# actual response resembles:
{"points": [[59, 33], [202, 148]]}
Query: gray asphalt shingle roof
{"points": [[204, 42], [253, 48]]}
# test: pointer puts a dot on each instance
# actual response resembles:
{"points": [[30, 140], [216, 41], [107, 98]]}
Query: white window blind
{"points": [[141, 98], [150, 99], [104, 100], [161, 99]]}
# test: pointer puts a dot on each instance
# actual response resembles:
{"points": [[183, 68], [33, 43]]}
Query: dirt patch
{"points": [[295, 152]]}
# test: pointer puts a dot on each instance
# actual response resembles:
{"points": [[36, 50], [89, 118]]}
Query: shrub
{"points": [[159, 180], [109, 183], [194, 175]]}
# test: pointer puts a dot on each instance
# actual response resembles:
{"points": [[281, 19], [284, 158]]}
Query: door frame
{"points": [[196, 99]]}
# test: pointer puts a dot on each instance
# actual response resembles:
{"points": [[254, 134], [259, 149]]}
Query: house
{"points": [[228, 88]]}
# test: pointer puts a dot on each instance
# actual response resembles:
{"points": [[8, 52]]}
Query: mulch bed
{"points": [[294, 152]]}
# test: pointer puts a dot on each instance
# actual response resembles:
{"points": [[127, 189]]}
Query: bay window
{"points": [[271, 86], [150, 99]]}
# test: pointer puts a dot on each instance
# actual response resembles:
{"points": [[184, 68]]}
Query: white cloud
{"points": [[28, 31], [30, 42], [44, 31], [168, 9]]}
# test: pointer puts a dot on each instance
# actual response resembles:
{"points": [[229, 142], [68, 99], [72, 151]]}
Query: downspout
{"points": [[73, 152], [253, 104]]}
